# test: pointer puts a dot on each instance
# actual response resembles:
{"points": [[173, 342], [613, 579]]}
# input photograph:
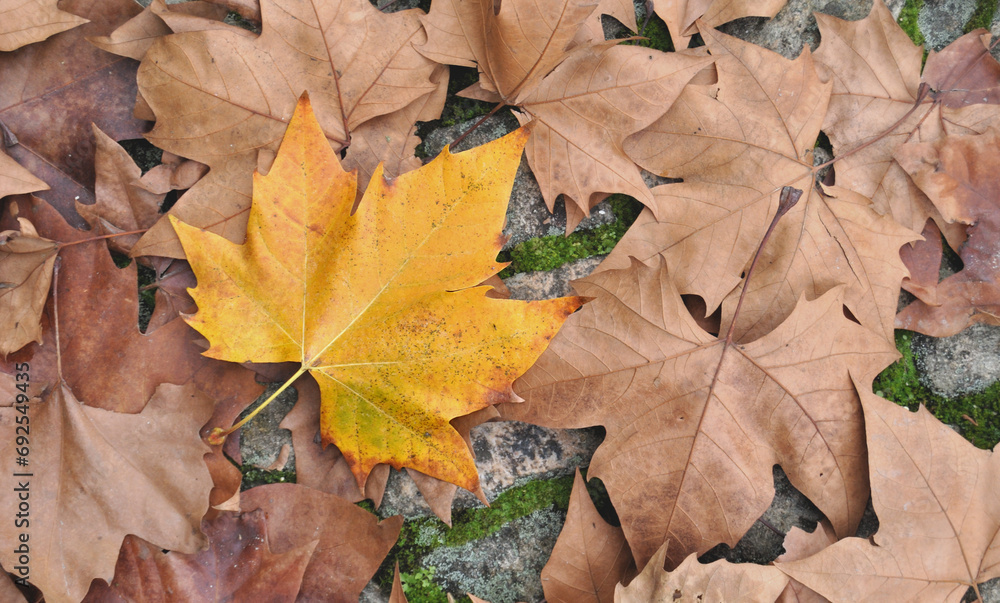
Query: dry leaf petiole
{"points": [[218, 435]]}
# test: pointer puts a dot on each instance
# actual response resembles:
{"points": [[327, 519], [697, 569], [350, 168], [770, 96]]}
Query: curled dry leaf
{"points": [[237, 93], [695, 423], [54, 90], [964, 73], [238, 565], [736, 144], [938, 504], [693, 582], [352, 541], [102, 475], [26, 22], [590, 557], [411, 342], [26, 262], [960, 175]]}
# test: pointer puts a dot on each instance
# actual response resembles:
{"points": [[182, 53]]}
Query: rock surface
{"points": [[965, 363]]}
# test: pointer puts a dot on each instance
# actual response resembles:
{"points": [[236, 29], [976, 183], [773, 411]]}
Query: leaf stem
{"points": [[789, 197], [55, 312], [107, 236], [218, 435], [478, 123]]}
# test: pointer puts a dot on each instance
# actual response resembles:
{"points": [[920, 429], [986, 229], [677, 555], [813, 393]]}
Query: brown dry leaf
{"points": [[25, 22], [397, 595], [26, 262], [15, 180], [582, 112], [959, 174], [937, 498], [95, 292], [695, 425], [590, 557], [514, 44], [238, 565], [126, 200], [875, 71], [923, 258], [800, 544], [622, 11], [680, 15], [220, 97], [134, 37], [352, 541], [54, 90], [390, 140], [693, 582], [584, 100], [736, 144], [9, 593], [99, 475], [965, 73]]}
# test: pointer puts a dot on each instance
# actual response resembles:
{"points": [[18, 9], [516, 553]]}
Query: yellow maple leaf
{"points": [[381, 306]]}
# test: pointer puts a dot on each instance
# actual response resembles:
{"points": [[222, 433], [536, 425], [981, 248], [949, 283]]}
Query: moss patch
{"points": [[655, 35], [976, 415], [252, 476], [982, 17], [908, 20], [549, 253]]}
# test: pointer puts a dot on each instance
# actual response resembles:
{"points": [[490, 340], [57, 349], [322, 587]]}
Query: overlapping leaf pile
{"points": [[723, 337]]}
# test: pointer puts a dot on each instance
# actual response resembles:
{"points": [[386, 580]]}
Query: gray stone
{"points": [[261, 439], [795, 25], [965, 363], [504, 567], [508, 454], [941, 21], [763, 541], [527, 215], [551, 283], [990, 591], [373, 594]]}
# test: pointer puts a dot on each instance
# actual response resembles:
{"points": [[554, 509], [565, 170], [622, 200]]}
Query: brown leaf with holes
{"points": [[959, 174], [352, 541], [100, 475], [694, 422], [222, 98], [938, 503], [54, 90], [590, 557], [737, 144], [26, 22], [238, 565], [694, 582]]}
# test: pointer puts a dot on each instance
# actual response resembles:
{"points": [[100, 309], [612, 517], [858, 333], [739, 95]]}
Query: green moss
{"points": [[908, 20], [421, 535], [982, 17], [252, 476], [548, 253], [976, 415], [655, 35], [419, 586]]}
